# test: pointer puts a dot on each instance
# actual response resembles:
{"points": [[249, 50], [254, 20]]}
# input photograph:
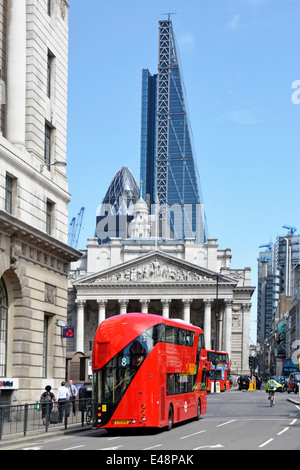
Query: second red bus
{"points": [[218, 369]]}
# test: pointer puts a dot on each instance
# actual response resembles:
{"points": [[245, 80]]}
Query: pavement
{"points": [[12, 439]]}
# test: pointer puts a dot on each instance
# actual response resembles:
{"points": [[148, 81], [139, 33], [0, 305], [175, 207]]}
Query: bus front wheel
{"points": [[170, 418]]}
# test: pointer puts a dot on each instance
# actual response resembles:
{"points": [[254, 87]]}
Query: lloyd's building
{"points": [[159, 259]]}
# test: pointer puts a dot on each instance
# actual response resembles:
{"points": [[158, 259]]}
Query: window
{"points": [[8, 194], [45, 346], [47, 156], [180, 383], [3, 328], [49, 217], [50, 66]]}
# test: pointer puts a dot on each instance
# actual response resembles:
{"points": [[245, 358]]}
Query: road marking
{"points": [[216, 446], [75, 447], [31, 448], [281, 432], [293, 422], [227, 422], [111, 448], [266, 443], [153, 447], [194, 434]]}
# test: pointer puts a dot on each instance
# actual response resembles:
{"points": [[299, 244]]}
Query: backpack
{"points": [[272, 384], [46, 398]]}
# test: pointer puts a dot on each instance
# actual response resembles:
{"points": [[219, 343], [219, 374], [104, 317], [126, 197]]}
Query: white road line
{"points": [[282, 431], [75, 447], [266, 443], [111, 448], [153, 447], [293, 422], [194, 434], [227, 422]]}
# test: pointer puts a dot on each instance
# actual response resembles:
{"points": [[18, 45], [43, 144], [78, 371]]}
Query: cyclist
{"points": [[271, 388]]}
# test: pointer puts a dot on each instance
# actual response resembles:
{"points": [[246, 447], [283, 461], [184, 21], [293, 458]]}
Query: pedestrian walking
{"points": [[47, 398], [62, 396], [73, 395]]}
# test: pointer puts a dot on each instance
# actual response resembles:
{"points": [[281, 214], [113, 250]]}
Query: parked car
{"points": [[244, 381], [293, 382]]}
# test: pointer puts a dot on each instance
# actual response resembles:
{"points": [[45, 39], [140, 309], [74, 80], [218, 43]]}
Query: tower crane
{"points": [[75, 228], [291, 229], [268, 245]]}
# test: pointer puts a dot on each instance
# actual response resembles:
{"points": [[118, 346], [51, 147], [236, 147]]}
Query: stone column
{"points": [[16, 72], [246, 338], [165, 310], [144, 305], [207, 323], [80, 325], [123, 305], [187, 309], [228, 325], [101, 310]]}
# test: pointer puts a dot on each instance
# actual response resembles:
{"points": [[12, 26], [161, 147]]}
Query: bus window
{"points": [[203, 379], [171, 336], [178, 383], [158, 333], [186, 337], [117, 374]]}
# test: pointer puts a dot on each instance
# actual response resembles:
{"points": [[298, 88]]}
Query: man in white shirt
{"points": [[62, 395]]}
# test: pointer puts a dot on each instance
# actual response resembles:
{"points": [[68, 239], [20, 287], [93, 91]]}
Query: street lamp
{"points": [[217, 329], [52, 164]]}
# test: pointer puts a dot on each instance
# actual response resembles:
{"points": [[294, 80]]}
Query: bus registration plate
{"points": [[121, 421]]}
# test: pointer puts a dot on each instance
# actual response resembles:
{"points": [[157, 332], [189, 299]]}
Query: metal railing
{"points": [[22, 419]]}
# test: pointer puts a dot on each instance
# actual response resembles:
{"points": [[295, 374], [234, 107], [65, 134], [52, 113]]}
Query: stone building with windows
{"points": [[34, 197], [173, 278]]}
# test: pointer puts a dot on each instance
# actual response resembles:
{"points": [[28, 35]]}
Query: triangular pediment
{"points": [[154, 268]]}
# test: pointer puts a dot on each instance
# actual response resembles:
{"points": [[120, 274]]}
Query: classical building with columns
{"points": [[34, 197], [175, 279]]}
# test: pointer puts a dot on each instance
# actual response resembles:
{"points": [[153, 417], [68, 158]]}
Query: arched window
{"points": [[3, 328]]}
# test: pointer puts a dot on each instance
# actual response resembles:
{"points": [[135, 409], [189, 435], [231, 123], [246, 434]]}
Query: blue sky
{"points": [[239, 59]]}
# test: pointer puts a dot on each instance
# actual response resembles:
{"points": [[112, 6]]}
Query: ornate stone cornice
{"points": [[28, 235]]}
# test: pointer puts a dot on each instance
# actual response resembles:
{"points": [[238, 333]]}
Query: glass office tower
{"points": [[168, 170]]}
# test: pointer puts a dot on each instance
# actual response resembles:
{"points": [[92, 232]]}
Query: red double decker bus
{"points": [[147, 371], [218, 369]]}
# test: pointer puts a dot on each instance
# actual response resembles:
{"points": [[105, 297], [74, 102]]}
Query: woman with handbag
{"points": [[47, 398]]}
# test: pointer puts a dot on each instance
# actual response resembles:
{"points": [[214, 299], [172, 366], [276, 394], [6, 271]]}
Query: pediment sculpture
{"points": [[153, 271]]}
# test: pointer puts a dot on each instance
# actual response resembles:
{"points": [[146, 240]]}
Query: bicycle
{"points": [[271, 397], [89, 412]]}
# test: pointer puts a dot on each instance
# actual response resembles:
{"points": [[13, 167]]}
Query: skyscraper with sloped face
{"points": [[168, 170]]}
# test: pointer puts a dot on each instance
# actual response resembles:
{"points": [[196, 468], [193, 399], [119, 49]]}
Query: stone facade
{"points": [[34, 197], [167, 277]]}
